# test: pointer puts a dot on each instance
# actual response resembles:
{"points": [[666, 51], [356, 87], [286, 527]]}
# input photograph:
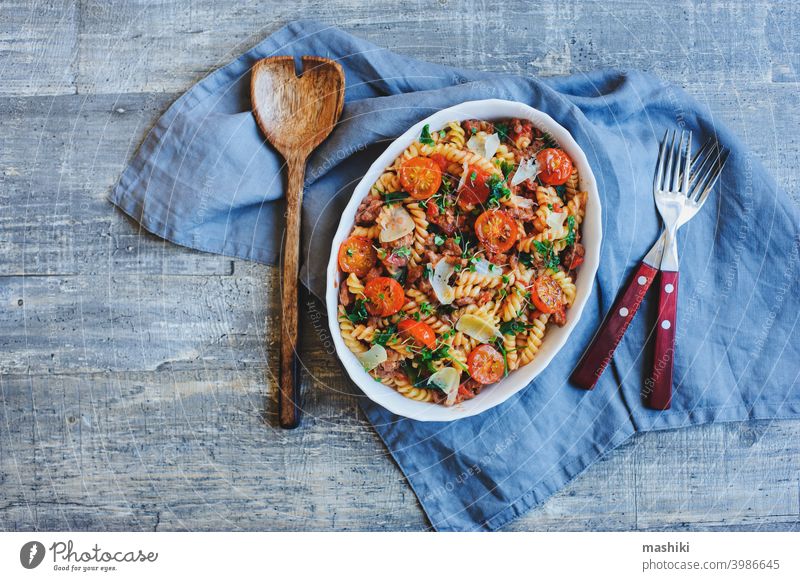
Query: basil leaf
{"points": [[425, 137]]}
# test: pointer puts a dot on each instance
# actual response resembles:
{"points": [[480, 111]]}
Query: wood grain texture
{"points": [[295, 113], [132, 371]]}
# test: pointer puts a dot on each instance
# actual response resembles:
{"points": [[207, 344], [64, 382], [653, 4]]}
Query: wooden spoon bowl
{"points": [[295, 114]]}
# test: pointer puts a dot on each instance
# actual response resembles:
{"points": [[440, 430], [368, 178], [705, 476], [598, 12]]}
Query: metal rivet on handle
{"points": [[642, 280], [668, 288], [665, 325], [623, 312]]}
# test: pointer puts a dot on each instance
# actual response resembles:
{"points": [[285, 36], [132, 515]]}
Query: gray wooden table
{"points": [[133, 373]]}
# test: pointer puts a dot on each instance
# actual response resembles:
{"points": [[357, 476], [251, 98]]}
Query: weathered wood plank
{"points": [[722, 474], [168, 46], [117, 321], [133, 373], [190, 450], [38, 45]]}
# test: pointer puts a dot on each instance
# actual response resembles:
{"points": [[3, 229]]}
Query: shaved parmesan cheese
{"points": [[555, 221], [464, 172], [527, 170], [372, 358], [440, 282], [483, 266], [395, 222], [448, 380], [477, 328], [484, 145], [520, 201]]}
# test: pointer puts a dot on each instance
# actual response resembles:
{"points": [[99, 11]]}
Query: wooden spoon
{"points": [[295, 114]]}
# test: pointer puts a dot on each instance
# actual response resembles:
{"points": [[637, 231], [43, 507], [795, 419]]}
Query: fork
{"points": [[706, 166], [679, 196]]}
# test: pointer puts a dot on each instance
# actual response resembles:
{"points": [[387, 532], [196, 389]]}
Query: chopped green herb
{"points": [[443, 133], [474, 130], [464, 248], [507, 167], [513, 327], [427, 271], [349, 252], [402, 251], [428, 356], [548, 253], [561, 191], [384, 336], [505, 279], [446, 188], [473, 176], [497, 191], [426, 309], [425, 137], [438, 239], [570, 238], [526, 259], [502, 130], [358, 313], [416, 316], [393, 197]]}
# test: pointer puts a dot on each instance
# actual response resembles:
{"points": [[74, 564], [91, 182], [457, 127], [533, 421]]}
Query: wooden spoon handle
{"points": [[289, 391]]}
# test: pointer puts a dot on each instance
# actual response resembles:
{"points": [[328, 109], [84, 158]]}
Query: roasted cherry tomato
{"points": [[556, 166], [547, 294], [440, 160], [384, 296], [420, 332], [474, 191], [576, 261], [486, 364], [496, 230], [357, 255], [420, 177]]}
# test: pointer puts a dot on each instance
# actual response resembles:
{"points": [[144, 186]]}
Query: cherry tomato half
{"points": [[357, 255], [440, 160], [474, 191], [422, 333], [496, 230], [485, 364], [576, 261], [384, 296], [420, 177], [556, 166], [547, 294]]}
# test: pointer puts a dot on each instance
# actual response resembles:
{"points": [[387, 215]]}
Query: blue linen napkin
{"points": [[205, 179]]}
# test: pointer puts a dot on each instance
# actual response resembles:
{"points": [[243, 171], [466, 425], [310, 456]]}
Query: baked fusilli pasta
{"points": [[464, 251]]}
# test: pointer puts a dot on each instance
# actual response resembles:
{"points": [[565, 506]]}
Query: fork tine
{"points": [[677, 165], [698, 159], [702, 172], [687, 164], [668, 169], [660, 169], [713, 179], [700, 156]]}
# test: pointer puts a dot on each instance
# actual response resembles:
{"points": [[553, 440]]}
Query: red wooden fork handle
{"points": [[658, 387], [600, 351]]}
